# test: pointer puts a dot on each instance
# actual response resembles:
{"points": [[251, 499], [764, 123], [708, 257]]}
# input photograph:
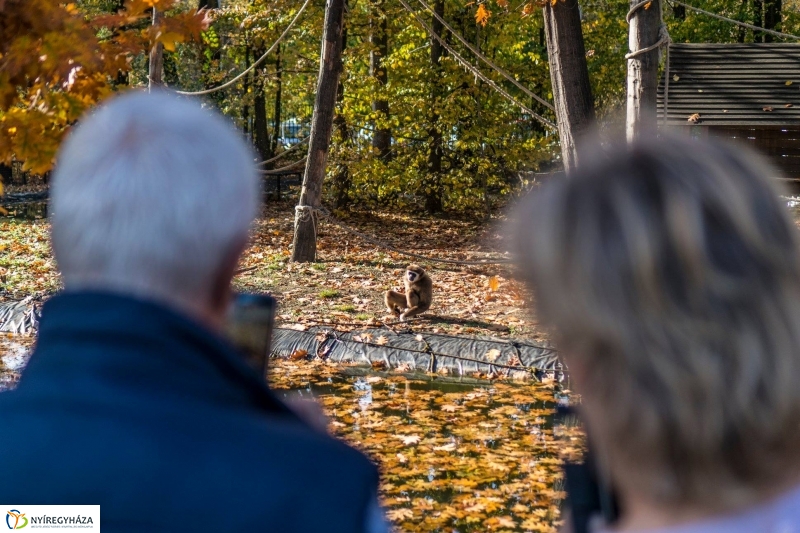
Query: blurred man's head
{"points": [[153, 196], [670, 272]]}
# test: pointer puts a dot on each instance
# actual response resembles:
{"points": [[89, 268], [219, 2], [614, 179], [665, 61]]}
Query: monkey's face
{"points": [[413, 273]]}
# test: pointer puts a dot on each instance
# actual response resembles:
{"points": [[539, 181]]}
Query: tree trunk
{"points": [[379, 38], [260, 127], [432, 183], [341, 178], [569, 76], [276, 121], [772, 17], [156, 66], [247, 83], [644, 31], [304, 247], [758, 20]]}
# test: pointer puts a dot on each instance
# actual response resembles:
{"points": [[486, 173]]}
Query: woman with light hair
{"points": [[669, 271]]}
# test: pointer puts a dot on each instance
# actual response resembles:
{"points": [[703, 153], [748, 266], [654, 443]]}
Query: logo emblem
{"points": [[16, 519]]}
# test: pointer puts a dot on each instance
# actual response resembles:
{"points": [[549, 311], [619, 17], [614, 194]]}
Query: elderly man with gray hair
{"points": [[132, 399]]}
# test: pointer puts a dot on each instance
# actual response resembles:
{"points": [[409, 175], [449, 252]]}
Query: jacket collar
{"points": [[105, 336]]}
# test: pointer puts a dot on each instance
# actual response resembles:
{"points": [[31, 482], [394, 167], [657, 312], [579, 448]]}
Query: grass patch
{"points": [[363, 316], [319, 266], [348, 308], [329, 293]]}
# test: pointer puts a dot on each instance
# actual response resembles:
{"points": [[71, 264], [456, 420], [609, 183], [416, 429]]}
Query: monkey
{"points": [[418, 295]]}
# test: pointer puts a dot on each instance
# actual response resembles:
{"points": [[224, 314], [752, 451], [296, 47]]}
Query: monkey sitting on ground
{"points": [[418, 296]]}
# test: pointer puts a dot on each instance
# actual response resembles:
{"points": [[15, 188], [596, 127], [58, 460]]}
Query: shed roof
{"points": [[732, 85]]}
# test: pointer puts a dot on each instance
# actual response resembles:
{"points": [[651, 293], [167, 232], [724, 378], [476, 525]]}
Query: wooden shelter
{"points": [[747, 92]]}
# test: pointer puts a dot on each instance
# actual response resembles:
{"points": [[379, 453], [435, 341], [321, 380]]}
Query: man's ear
{"points": [[220, 296]]}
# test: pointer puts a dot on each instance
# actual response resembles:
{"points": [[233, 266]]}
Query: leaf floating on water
{"points": [[382, 340], [420, 338], [398, 515], [768, 108], [694, 118], [788, 83], [676, 78], [493, 354], [788, 105], [409, 440]]}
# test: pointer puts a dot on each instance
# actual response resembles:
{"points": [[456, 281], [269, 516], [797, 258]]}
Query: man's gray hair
{"points": [[151, 195]]}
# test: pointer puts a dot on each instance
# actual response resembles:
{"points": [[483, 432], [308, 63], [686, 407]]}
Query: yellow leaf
{"points": [[168, 39], [482, 15], [788, 83], [647, 5], [493, 283], [382, 340]]}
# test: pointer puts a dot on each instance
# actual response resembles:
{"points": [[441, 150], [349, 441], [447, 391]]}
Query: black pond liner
{"points": [[422, 352], [19, 316]]}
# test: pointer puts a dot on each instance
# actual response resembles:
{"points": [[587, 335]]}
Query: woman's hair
{"points": [[669, 270]]}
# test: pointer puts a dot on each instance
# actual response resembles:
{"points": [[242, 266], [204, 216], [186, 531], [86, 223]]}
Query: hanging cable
{"points": [[467, 65], [254, 65], [486, 60], [737, 22]]}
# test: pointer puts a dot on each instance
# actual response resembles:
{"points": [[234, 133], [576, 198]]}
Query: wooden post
{"points": [[644, 31], [155, 77], [569, 76], [304, 247]]}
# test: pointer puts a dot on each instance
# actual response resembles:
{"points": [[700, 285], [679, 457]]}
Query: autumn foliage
{"points": [[55, 63]]}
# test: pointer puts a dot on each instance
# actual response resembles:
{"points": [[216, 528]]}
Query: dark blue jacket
{"points": [[131, 406]]}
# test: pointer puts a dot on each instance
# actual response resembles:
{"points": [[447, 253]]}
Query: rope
{"points": [[486, 60], [663, 33], [287, 167], [737, 22], [661, 42], [280, 155], [477, 72], [254, 65], [381, 244]]}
